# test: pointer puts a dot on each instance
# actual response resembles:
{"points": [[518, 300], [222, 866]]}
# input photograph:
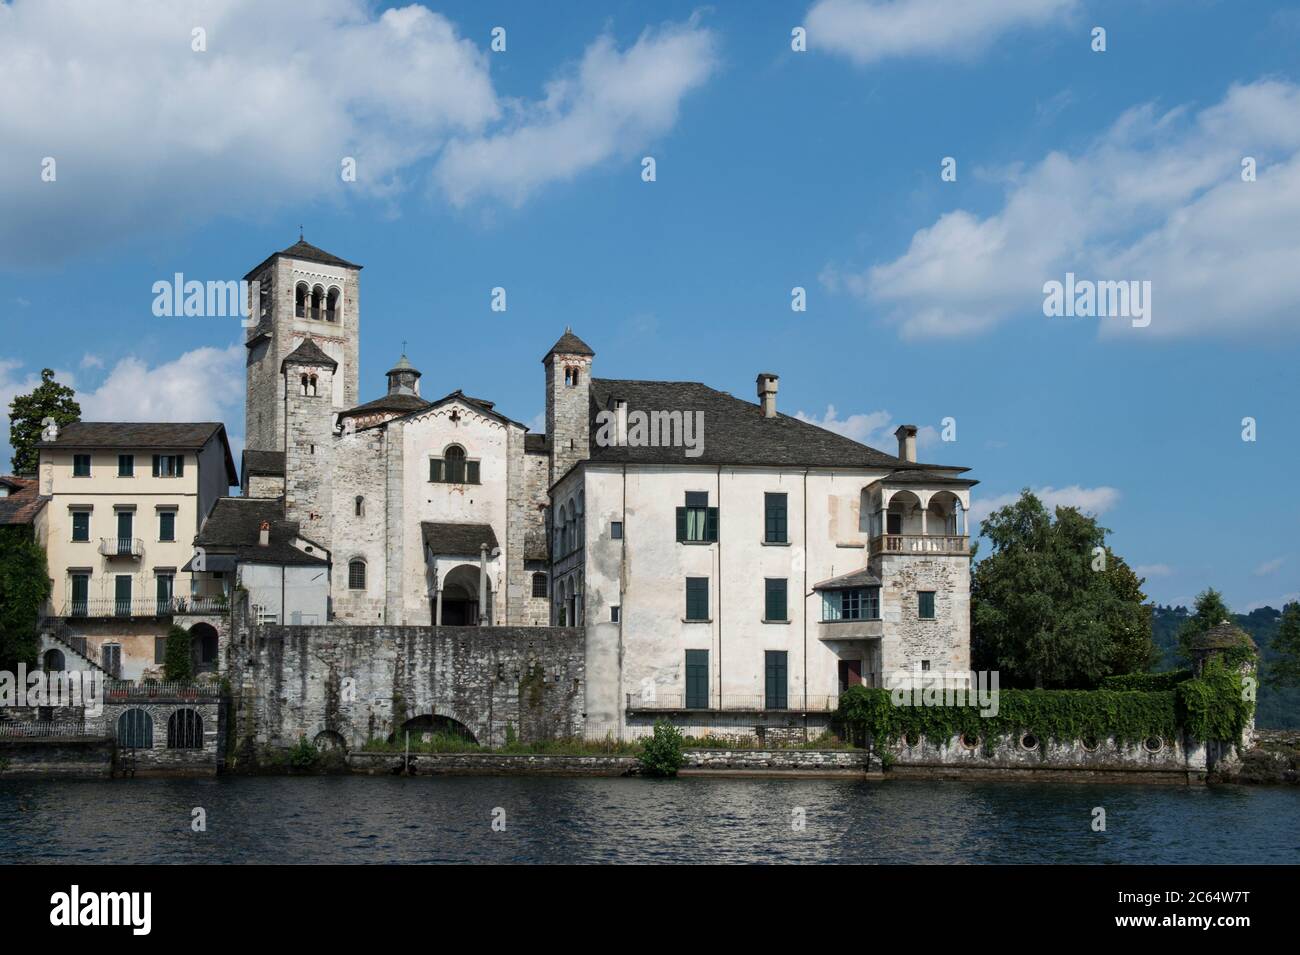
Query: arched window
{"points": [[539, 584], [185, 730], [332, 305], [357, 575], [300, 295], [454, 457], [360, 506], [135, 730], [317, 301]]}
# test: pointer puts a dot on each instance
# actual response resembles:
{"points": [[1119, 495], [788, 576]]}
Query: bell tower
{"points": [[303, 293]]}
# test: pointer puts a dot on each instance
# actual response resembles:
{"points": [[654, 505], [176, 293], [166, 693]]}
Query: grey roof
{"points": [[144, 436], [234, 526], [569, 344], [735, 431], [308, 353], [458, 539], [22, 503], [265, 463], [859, 578], [305, 252]]}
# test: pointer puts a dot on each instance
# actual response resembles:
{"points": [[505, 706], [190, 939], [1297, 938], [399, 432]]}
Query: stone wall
{"points": [[362, 683]]}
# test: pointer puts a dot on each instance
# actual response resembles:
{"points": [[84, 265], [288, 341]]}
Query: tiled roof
{"points": [[22, 503], [144, 436], [234, 526], [569, 344], [458, 539], [305, 252], [308, 353]]}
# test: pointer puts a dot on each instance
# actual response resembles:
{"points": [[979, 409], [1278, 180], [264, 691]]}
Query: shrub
{"points": [[661, 754]]}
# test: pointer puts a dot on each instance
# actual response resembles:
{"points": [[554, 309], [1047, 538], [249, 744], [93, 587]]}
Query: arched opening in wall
{"points": [[203, 647], [460, 597], [53, 661], [317, 302], [332, 305], [426, 728], [135, 730], [185, 730], [328, 741], [300, 296]]}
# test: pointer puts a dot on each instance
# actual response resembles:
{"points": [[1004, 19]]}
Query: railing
{"points": [[119, 690], [920, 544], [97, 607], [46, 729], [121, 547], [735, 703]]}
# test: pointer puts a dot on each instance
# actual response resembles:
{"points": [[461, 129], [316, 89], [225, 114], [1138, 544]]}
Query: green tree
{"points": [[1284, 669], [1210, 612], [1046, 608], [26, 412], [177, 664], [24, 587]]}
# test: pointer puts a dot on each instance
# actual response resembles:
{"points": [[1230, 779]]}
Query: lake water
{"points": [[357, 819]]}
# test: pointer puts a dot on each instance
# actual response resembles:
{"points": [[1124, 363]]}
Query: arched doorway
{"points": [[424, 728], [203, 648], [460, 597]]}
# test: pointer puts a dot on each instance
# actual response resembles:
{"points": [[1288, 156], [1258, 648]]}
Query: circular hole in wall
{"points": [[1090, 743], [1029, 741], [1153, 744], [912, 739], [969, 741]]}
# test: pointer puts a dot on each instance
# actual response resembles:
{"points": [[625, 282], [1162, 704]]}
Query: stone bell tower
{"points": [[302, 293]]}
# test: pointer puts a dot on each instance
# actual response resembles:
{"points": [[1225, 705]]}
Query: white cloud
{"points": [[1153, 570], [614, 103], [867, 31], [1157, 197], [1090, 500], [1269, 567], [873, 428]]}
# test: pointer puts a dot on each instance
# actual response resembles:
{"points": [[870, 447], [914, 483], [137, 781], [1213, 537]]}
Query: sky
{"points": [[775, 168]]}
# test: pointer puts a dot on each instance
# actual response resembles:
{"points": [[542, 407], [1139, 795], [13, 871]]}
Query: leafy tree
{"points": [[1045, 611], [1210, 612], [1284, 668], [177, 664], [24, 587], [26, 412]]}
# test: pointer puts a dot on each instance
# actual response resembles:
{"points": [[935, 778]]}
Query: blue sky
{"points": [[775, 169]]}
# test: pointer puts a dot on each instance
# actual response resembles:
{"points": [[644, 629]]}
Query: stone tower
{"points": [[309, 379], [568, 402], [303, 292]]}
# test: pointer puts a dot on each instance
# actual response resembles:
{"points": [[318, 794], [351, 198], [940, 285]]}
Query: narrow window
{"points": [[81, 465], [616, 530], [775, 679], [925, 604], [697, 598], [697, 679], [357, 575], [126, 465], [774, 608], [774, 528]]}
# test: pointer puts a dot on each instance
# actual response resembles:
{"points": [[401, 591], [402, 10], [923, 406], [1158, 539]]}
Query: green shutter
{"points": [[711, 524], [471, 472], [681, 523]]}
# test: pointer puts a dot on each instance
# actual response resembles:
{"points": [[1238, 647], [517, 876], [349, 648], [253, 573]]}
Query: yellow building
{"points": [[124, 502]]}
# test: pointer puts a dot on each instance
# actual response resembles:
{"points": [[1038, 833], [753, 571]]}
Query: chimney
{"points": [[906, 435], [264, 534], [767, 393]]}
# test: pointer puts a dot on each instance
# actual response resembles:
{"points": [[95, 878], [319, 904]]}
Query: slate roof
{"points": [[235, 525], [144, 436], [859, 578], [306, 252], [22, 503], [308, 353], [264, 463], [569, 344], [735, 431], [452, 539]]}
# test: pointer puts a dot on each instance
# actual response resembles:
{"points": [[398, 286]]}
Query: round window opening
{"points": [[1153, 744], [969, 741], [1029, 741], [1090, 743], [913, 739]]}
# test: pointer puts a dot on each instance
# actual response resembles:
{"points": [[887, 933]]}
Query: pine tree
{"points": [[49, 399]]}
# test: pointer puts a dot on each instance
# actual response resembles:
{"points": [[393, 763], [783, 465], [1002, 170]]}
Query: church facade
{"points": [[726, 562]]}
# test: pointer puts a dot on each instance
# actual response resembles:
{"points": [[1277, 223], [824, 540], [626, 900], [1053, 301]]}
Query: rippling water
{"points": [[354, 819]]}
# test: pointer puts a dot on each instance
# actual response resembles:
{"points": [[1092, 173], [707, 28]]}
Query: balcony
{"points": [[129, 547], [730, 703], [954, 545]]}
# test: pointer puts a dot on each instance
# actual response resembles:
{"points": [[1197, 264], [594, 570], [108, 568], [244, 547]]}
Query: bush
{"points": [[661, 754], [176, 656]]}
